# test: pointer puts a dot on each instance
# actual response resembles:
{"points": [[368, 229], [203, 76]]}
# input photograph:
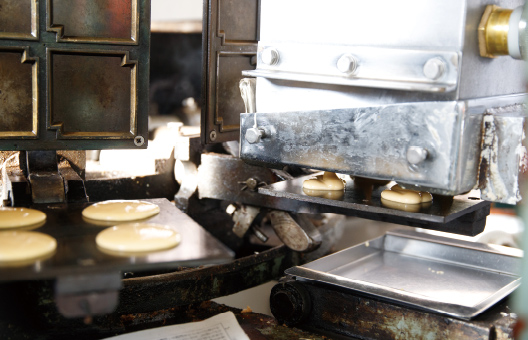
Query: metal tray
{"points": [[77, 252], [438, 274], [354, 198]]}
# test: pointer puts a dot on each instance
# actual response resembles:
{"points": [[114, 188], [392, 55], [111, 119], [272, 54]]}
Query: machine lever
{"points": [[302, 237]]}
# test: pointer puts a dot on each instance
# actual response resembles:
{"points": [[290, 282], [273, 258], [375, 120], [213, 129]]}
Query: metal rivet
{"points": [[254, 135], [347, 63], [212, 135], [416, 154], [434, 68], [270, 56], [139, 140]]}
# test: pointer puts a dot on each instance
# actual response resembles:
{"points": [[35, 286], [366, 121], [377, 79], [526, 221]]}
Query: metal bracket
{"points": [[47, 184], [87, 295]]}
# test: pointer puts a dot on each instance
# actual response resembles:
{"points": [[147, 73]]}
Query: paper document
{"points": [[219, 327]]}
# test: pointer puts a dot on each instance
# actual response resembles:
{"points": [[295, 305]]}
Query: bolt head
{"points": [[252, 184], [416, 155], [254, 135], [434, 68], [347, 63], [270, 56]]}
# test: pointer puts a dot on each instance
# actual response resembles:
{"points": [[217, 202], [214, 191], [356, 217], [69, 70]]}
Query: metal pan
{"points": [[438, 274]]}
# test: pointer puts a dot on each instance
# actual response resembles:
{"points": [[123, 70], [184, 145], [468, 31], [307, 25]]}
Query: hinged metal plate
{"points": [[74, 75], [230, 35]]}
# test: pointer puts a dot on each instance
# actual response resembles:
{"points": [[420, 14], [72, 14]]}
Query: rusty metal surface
{"points": [[84, 71], [334, 310], [25, 325], [230, 32]]}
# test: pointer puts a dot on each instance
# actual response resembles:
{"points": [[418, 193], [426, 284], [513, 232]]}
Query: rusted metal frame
{"points": [[168, 290], [333, 309]]}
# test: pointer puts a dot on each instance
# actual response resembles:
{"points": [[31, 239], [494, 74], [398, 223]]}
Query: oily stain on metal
{"points": [[16, 109]]}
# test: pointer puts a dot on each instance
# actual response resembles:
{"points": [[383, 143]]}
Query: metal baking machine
{"points": [[430, 95]]}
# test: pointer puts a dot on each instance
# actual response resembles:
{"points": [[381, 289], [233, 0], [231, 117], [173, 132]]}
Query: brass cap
{"points": [[493, 31]]}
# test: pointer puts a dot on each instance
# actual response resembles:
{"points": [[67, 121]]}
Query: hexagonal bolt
{"points": [[347, 63], [254, 135], [434, 68], [270, 56], [416, 154]]}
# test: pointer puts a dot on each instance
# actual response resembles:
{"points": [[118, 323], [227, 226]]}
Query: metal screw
{"points": [[347, 63], [270, 56], [416, 154], [254, 135], [139, 140], [212, 135], [434, 68]]}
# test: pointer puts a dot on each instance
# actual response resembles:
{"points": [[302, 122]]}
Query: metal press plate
{"points": [[354, 198], [74, 74], [78, 253], [438, 274], [230, 35]]}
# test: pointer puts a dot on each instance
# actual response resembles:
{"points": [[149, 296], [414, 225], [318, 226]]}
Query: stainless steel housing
{"points": [[355, 86]]}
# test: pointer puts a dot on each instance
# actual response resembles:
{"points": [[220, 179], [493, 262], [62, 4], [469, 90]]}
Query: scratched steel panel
{"points": [[230, 33], [74, 74]]}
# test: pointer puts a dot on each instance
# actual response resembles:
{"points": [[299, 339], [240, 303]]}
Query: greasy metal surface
{"points": [[18, 94], [98, 89], [90, 75], [341, 140], [98, 21], [18, 19], [345, 313], [230, 34], [77, 252], [354, 198], [457, 278]]}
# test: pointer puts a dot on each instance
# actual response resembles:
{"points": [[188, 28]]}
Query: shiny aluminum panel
{"points": [[403, 25], [376, 67], [438, 274], [77, 252]]}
